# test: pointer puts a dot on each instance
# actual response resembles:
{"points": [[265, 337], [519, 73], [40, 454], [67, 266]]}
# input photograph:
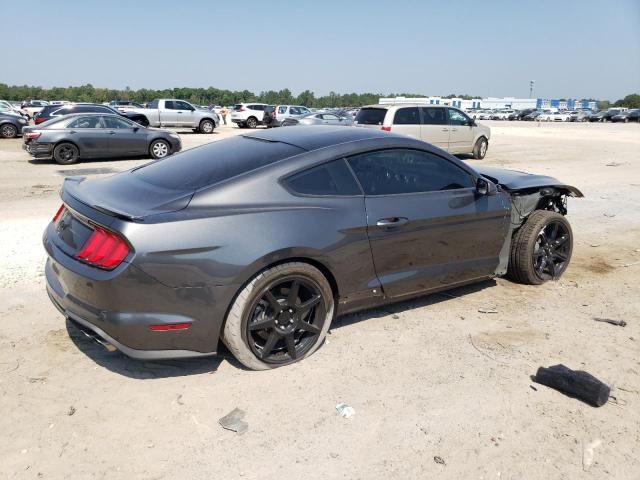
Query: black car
{"points": [[262, 239], [519, 115], [626, 117], [11, 125], [531, 116], [54, 111], [79, 136]]}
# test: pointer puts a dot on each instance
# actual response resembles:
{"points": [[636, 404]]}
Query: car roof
{"points": [[316, 137]]}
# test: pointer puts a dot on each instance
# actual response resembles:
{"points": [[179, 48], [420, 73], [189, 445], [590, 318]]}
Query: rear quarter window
{"points": [[332, 178], [213, 163], [407, 116], [371, 116]]}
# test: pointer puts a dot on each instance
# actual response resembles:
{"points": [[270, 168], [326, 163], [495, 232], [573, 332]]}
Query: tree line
{"points": [[216, 96], [198, 96]]}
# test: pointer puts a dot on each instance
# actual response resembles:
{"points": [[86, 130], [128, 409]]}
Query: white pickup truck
{"points": [[167, 112]]}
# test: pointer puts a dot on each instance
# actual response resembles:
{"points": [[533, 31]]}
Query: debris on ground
{"points": [[617, 323], [439, 460], [395, 317], [72, 410], [613, 164], [233, 421], [487, 310], [587, 454], [179, 399], [575, 383], [345, 411], [610, 215]]}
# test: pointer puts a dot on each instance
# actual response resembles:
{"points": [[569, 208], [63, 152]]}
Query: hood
{"points": [[125, 195], [514, 180]]}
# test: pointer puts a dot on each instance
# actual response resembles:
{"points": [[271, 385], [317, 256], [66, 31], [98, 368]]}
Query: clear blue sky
{"points": [[572, 48]]}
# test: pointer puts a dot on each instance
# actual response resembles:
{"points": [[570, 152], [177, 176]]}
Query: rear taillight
{"points": [[38, 120], [58, 213], [104, 249], [32, 135], [386, 129]]}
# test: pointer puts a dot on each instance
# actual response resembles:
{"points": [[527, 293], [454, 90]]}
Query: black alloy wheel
{"points": [[552, 251], [286, 320]]}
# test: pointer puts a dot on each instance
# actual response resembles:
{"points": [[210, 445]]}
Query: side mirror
{"points": [[485, 187], [135, 129]]}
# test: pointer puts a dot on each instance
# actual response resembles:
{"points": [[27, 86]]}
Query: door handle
{"points": [[445, 129], [179, 113], [454, 129], [391, 222], [111, 132]]}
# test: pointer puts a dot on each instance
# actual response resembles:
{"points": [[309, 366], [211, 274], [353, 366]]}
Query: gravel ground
{"points": [[440, 390]]}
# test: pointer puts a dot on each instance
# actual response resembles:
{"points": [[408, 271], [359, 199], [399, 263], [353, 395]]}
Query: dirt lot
{"points": [[428, 378]]}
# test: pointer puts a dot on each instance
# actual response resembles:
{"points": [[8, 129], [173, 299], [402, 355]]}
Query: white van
{"points": [[445, 127]]}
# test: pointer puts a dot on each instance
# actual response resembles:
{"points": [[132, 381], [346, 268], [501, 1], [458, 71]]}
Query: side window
{"points": [[114, 122], [181, 105], [407, 116], [153, 104], [395, 171], [332, 178], [295, 111], [329, 116], [282, 109], [458, 118], [170, 105], [85, 122], [304, 110], [433, 116]]}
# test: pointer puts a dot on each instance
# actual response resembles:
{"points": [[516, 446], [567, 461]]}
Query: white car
{"points": [[248, 114], [554, 117], [445, 127], [501, 114]]}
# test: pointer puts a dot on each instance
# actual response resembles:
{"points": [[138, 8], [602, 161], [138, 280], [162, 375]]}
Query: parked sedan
{"points": [[11, 125], [626, 117], [263, 238], [319, 119], [83, 136]]}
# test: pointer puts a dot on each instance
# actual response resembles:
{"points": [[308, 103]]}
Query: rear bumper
{"points": [[119, 306], [38, 149]]}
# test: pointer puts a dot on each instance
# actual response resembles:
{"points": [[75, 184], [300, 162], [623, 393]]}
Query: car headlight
{"points": [[22, 120], [174, 135]]}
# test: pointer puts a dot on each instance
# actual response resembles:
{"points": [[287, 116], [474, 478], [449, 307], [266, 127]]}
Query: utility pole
{"points": [[531, 84]]}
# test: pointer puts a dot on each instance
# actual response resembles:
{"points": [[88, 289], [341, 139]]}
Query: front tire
{"points": [[206, 126], [280, 317], [480, 148], [252, 122], [159, 149], [8, 131], [541, 250], [66, 153]]}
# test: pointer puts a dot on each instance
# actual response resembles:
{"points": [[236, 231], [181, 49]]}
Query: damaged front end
{"points": [[527, 193]]}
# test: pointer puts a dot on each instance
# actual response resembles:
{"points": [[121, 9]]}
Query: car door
{"points": [[185, 114], [125, 137], [168, 117], [461, 132], [428, 227], [89, 134], [406, 121], [435, 127]]}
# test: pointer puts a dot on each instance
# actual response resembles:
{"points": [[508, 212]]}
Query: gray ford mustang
{"points": [[262, 239]]}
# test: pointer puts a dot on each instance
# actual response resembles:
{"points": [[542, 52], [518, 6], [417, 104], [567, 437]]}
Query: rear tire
{"points": [[66, 153], [480, 148], [290, 334], [206, 126], [8, 131], [531, 258], [252, 122]]}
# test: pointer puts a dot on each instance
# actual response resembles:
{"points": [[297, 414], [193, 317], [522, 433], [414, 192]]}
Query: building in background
{"points": [[497, 103]]}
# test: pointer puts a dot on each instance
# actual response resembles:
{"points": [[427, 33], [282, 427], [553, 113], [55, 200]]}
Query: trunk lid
{"points": [[126, 195]]}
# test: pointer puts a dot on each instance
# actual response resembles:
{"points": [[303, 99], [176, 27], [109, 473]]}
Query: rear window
{"points": [[215, 162], [371, 116]]}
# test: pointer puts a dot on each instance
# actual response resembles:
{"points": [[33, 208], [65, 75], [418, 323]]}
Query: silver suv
{"points": [[442, 126]]}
